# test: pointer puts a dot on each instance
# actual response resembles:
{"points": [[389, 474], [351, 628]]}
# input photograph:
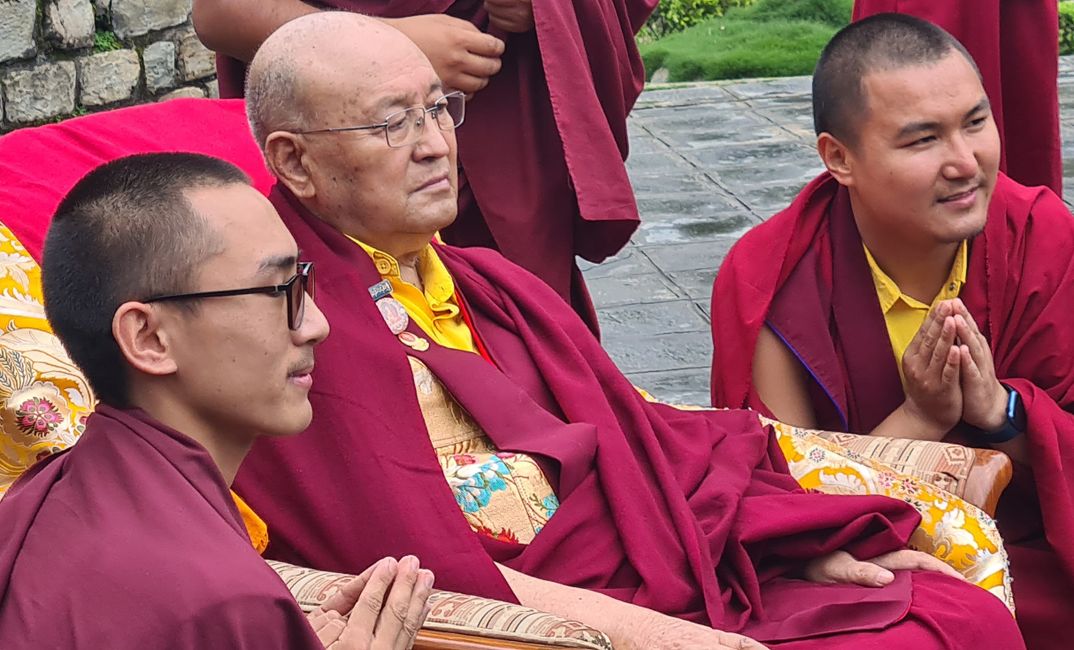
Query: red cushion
{"points": [[39, 165]]}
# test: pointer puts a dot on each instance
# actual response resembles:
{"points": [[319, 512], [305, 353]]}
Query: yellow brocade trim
{"points": [[435, 310], [951, 529], [502, 495], [904, 314], [44, 399], [255, 526]]}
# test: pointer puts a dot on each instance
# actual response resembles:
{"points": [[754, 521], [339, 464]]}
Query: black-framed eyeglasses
{"points": [[407, 126], [296, 288]]}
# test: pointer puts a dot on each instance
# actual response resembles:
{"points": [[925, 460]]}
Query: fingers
{"points": [[363, 616], [481, 44], [908, 560], [949, 377], [866, 574], [394, 613], [327, 625], [417, 610], [941, 353], [967, 367], [344, 598]]}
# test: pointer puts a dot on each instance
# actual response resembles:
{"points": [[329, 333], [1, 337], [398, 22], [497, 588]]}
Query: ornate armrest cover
{"points": [[459, 613], [976, 475], [953, 530]]}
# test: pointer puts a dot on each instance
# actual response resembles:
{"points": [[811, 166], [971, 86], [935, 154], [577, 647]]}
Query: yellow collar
{"points": [[438, 286], [890, 294]]}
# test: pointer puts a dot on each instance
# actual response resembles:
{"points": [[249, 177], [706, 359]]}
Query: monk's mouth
{"points": [[967, 195]]}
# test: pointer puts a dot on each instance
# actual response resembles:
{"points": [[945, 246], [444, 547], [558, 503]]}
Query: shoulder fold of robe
{"points": [[689, 513], [130, 539], [1019, 289]]}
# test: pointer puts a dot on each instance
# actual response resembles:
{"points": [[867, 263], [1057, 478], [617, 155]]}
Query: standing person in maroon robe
{"points": [[684, 529], [542, 179], [131, 539], [912, 217], [1016, 46]]}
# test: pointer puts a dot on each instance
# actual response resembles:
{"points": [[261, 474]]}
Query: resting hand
{"points": [[840, 567], [510, 15], [931, 367], [984, 400], [463, 56], [381, 609], [667, 633]]}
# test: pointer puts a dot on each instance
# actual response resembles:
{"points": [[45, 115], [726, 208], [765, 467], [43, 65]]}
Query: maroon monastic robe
{"points": [[543, 145], [689, 513], [804, 273], [130, 540], [1016, 46]]}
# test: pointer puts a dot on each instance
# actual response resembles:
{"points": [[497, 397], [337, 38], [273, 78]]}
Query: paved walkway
{"points": [[709, 161]]}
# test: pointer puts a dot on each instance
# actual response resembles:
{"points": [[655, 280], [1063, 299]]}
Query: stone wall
{"points": [[60, 58]]}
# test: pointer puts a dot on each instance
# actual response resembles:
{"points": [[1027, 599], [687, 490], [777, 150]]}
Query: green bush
{"points": [[830, 12], [733, 48], [672, 16], [1066, 27]]}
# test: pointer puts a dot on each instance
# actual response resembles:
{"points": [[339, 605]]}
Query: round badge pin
{"points": [[394, 314], [413, 342]]}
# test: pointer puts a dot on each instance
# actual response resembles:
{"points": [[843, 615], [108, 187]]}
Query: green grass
{"points": [[771, 38], [730, 48]]}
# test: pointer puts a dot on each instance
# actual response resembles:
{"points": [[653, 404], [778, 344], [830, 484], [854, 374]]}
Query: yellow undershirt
{"points": [[904, 314], [436, 310]]}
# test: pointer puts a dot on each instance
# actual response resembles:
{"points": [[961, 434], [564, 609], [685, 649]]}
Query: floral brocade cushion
{"points": [[44, 399], [951, 529]]}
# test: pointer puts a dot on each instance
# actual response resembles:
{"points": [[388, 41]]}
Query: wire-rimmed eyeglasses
{"points": [[407, 126], [296, 288]]}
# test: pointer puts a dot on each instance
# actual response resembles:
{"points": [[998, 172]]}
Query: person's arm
{"points": [[237, 28], [463, 56], [629, 627], [933, 403]]}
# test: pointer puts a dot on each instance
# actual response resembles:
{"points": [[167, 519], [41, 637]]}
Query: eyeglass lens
{"points": [[406, 126]]}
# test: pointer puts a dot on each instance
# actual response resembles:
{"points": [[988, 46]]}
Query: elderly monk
{"points": [[469, 416], [176, 288], [1015, 44], [541, 177], [914, 291]]}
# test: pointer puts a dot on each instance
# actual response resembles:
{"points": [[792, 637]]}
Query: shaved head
{"points": [[311, 53], [879, 43]]}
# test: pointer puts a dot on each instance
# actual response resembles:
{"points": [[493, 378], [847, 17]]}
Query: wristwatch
{"points": [[1013, 426]]}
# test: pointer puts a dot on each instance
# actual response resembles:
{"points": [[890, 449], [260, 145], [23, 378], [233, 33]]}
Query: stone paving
{"points": [[709, 161]]}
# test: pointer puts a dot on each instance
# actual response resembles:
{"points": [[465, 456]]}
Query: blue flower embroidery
{"points": [[475, 492], [550, 504]]}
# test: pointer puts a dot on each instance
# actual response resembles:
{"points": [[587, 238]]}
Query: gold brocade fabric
{"points": [[502, 495], [44, 398]]}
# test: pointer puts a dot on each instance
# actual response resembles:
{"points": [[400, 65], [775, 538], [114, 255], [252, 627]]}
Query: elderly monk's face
{"points": [[388, 197], [239, 365], [925, 163]]}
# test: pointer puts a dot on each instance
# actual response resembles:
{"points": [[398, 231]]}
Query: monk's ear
{"points": [[143, 338], [286, 156], [837, 157]]}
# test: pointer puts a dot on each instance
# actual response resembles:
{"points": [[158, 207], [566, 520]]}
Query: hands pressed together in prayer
{"points": [[381, 609], [950, 376]]}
